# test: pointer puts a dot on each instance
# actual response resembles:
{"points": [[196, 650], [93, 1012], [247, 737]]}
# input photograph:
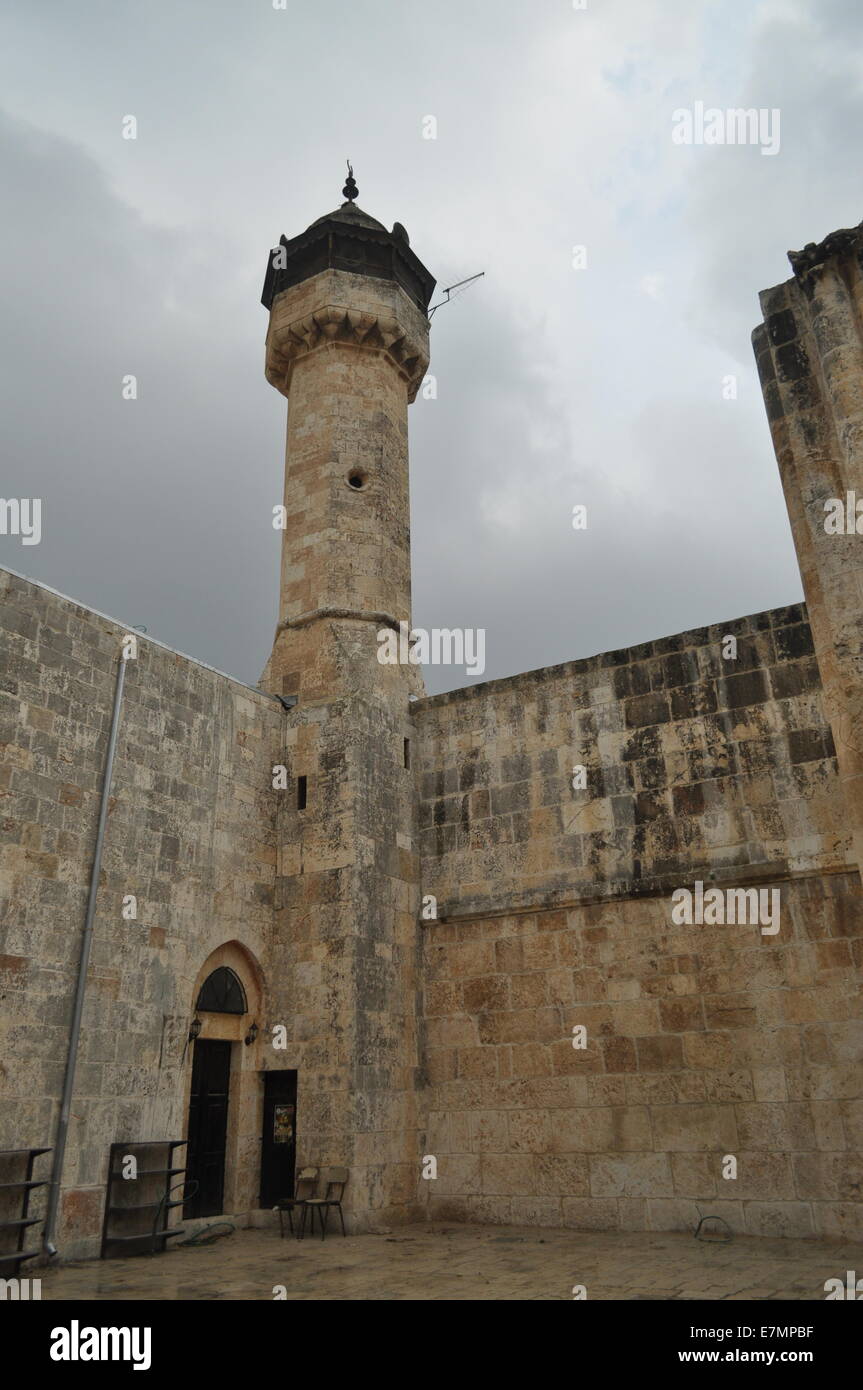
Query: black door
{"points": [[208, 1126], [279, 1144]]}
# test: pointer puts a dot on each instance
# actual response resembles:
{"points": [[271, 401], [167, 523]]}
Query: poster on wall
{"points": [[283, 1124]]}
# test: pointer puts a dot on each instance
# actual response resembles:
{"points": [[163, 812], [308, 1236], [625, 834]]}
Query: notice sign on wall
{"points": [[283, 1124]]}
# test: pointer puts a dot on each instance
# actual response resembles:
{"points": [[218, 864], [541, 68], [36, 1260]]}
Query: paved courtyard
{"points": [[466, 1262]]}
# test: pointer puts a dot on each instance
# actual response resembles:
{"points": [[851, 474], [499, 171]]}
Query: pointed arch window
{"points": [[222, 993]]}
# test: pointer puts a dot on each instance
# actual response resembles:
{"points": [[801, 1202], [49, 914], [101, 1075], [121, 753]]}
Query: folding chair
{"points": [[307, 1179], [336, 1180]]}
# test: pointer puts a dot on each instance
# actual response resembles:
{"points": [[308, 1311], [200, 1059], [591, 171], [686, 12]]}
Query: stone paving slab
{"points": [[433, 1262]]}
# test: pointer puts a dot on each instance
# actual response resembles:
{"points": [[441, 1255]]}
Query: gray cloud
{"points": [[555, 386]]}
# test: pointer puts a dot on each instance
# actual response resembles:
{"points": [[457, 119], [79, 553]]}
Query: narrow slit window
{"points": [[301, 793], [407, 752]]}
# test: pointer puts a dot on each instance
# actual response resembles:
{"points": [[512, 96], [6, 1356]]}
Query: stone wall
{"points": [[191, 833], [554, 912], [702, 1042], [691, 759]]}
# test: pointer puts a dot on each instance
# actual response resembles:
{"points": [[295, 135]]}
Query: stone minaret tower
{"points": [[348, 345], [810, 358]]}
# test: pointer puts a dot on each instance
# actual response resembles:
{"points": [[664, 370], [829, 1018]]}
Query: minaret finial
{"points": [[350, 189]]}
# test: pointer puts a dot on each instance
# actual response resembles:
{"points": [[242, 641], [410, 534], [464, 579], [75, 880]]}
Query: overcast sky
{"points": [[556, 386]]}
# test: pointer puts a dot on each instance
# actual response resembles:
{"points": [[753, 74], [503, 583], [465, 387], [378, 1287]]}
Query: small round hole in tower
{"points": [[356, 480]]}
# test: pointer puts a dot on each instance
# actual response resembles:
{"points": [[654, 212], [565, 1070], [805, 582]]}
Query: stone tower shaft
{"points": [[810, 359]]}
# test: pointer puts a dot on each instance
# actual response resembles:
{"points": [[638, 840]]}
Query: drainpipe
{"points": [[48, 1245]]}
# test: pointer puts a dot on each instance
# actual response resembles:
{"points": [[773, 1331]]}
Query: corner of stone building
{"points": [[809, 351]]}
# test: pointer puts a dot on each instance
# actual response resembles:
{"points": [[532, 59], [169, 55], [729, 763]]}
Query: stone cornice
{"points": [[334, 324], [578, 895], [845, 241], [314, 615]]}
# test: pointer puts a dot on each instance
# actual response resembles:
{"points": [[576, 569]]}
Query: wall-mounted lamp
{"points": [[251, 1035], [195, 1028]]}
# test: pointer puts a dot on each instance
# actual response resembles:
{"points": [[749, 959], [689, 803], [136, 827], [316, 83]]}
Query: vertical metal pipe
{"points": [[78, 1009]]}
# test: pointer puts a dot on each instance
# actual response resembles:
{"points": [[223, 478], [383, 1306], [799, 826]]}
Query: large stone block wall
{"points": [[691, 760], [554, 911], [191, 833], [702, 1042]]}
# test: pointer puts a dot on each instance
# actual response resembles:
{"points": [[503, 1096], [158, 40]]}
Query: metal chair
{"points": [[307, 1179], [336, 1180]]}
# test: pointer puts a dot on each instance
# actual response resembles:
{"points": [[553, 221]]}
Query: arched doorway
{"points": [[221, 993], [225, 1093]]}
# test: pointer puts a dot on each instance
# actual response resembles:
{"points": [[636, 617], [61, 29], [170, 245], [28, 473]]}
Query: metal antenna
{"points": [[459, 285]]}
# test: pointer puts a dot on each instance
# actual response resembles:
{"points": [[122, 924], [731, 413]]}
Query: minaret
{"points": [[348, 345], [810, 358]]}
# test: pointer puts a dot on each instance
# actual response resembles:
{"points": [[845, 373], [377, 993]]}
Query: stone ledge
{"points": [[628, 889]]}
